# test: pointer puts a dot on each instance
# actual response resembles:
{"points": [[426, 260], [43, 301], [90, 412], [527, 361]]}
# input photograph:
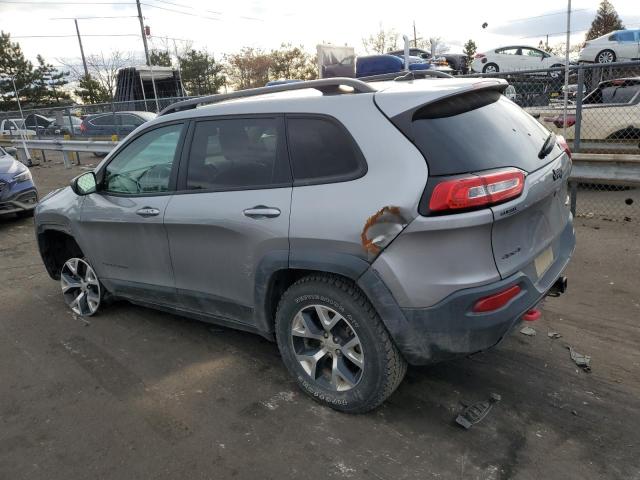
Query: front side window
{"points": [[104, 120], [234, 154], [144, 165], [322, 150]]}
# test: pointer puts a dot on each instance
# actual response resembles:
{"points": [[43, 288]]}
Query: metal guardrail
{"points": [[592, 167], [612, 169], [65, 146]]}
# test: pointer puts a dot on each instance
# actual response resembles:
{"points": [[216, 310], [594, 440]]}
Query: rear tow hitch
{"points": [[532, 315], [559, 287]]}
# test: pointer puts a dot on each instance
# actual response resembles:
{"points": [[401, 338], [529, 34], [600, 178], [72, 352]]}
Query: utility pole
{"points": [[415, 36], [566, 71], [144, 37], [84, 61]]}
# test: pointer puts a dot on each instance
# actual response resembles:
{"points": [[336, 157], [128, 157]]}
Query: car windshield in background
{"points": [[147, 115]]}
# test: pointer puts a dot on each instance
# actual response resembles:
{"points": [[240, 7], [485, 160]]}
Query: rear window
{"points": [[476, 131], [322, 151]]}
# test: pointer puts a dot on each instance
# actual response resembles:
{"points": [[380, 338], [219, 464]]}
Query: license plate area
{"points": [[544, 261]]}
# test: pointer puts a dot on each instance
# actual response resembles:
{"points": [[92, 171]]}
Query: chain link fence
{"points": [[602, 117]]}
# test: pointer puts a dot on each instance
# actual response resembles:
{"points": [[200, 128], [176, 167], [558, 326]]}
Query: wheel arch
{"points": [[56, 245], [275, 275]]}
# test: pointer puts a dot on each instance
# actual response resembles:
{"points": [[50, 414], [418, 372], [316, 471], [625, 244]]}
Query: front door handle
{"points": [[260, 211], [148, 212]]}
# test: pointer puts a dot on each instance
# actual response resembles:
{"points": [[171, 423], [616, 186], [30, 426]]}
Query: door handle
{"points": [[148, 212], [260, 211]]}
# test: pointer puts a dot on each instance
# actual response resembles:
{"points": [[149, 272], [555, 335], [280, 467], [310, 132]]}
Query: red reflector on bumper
{"points": [[496, 301]]}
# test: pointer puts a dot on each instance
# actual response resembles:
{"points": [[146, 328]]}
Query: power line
{"points": [[92, 18], [85, 35], [186, 6], [179, 11], [545, 15], [64, 3]]}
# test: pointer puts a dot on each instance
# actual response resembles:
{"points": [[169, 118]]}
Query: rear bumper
{"points": [[450, 328]]}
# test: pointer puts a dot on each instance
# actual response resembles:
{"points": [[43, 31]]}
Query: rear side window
{"points": [[322, 151], [627, 36], [104, 120], [236, 154], [474, 131]]}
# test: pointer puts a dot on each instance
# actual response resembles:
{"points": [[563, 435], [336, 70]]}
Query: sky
{"points": [[226, 27]]}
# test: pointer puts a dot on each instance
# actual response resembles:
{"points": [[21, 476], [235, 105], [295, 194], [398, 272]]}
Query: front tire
{"points": [[335, 345], [606, 56], [81, 289]]}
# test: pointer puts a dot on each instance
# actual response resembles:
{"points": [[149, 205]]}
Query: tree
{"points": [[90, 91], [382, 41], [607, 20], [249, 68], [290, 62], [470, 49], [201, 74], [160, 58], [48, 84], [14, 66]]}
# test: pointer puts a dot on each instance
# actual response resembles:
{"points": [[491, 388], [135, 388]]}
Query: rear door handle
{"points": [[260, 211], [148, 212]]}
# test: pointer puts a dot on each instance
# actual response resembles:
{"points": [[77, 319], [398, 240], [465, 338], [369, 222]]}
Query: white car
{"points": [[610, 112], [621, 45], [14, 127], [515, 58]]}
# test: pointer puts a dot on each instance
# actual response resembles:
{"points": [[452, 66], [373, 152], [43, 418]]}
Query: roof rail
{"points": [[325, 85], [405, 75]]}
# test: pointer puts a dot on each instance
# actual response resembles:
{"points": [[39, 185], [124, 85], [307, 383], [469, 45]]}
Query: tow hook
{"points": [[532, 315], [559, 287]]}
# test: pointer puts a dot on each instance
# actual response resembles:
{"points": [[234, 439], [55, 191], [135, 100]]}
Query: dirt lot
{"points": [[133, 393]]}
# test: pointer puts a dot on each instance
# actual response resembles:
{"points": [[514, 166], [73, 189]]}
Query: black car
{"points": [[47, 126], [113, 123]]}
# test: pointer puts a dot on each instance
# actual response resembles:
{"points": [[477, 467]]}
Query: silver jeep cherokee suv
{"points": [[360, 225]]}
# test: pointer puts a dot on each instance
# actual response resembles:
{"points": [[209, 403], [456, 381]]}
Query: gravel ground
{"points": [[134, 393]]}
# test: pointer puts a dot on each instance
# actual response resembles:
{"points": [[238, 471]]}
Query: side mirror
{"points": [[13, 151], [84, 184]]}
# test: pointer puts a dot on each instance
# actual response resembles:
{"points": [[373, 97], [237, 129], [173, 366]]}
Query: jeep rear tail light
{"points": [[83, 127], [563, 144], [479, 190], [496, 301]]}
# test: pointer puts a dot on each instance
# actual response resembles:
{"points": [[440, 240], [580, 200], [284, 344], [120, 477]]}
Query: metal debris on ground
{"points": [[530, 332], [476, 412], [583, 361], [554, 335]]}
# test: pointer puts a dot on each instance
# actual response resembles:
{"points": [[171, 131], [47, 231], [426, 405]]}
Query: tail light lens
{"points": [[563, 144], [479, 55], [83, 127], [558, 120], [496, 301], [478, 190]]}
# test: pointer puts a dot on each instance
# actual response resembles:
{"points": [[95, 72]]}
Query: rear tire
{"points": [[490, 68], [606, 56], [335, 345]]}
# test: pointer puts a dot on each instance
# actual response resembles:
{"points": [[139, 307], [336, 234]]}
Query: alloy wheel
{"points": [[327, 347], [80, 287], [605, 57]]}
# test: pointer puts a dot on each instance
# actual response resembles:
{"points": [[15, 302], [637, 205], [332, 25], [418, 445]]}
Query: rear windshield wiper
{"points": [[547, 146]]}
